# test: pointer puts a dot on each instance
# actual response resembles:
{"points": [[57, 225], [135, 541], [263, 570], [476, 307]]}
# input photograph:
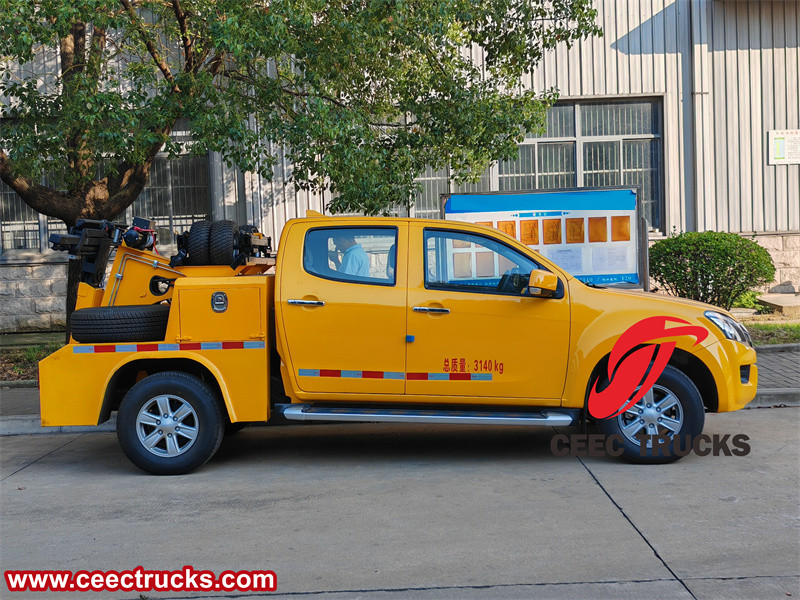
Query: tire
{"points": [[138, 323], [221, 243], [674, 397], [166, 446], [197, 244]]}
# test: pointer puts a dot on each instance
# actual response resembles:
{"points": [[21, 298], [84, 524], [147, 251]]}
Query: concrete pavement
{"points": [[400, 511]]}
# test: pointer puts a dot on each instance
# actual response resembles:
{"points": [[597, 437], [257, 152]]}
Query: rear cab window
{"points": [[352, 254]]}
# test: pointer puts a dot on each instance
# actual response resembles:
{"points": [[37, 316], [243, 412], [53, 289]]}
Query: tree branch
{"points": [[151, 47], [188, 51], [40, 198], [96, 50]]}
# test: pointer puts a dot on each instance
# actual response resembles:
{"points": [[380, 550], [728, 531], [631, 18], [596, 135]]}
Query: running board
{"points": [[307, 412]]}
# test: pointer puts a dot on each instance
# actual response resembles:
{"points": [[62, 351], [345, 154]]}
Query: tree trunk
{"points": [[74, 269]]}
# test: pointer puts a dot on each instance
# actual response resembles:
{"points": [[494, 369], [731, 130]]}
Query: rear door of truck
{"points": [[342, 304]]}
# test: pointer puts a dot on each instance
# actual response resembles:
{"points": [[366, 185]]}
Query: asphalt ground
{"points": [[421, 512]]}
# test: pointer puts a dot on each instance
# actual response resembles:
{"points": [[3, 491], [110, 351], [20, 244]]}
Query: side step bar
{"points": [[307, 412]]}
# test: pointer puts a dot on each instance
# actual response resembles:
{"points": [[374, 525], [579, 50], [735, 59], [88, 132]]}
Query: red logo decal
{"points": [[632, 373]]}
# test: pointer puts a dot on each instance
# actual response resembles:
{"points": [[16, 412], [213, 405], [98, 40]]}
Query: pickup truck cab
{"points": [[379, 320]]}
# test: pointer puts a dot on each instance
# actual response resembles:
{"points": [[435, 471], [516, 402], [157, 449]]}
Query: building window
{"points": [[19, 223], [177, 193], [585, 144]]}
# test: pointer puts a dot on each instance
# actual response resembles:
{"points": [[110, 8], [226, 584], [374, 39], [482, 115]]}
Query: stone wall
{"points": [[33, 296], [785, 252]]}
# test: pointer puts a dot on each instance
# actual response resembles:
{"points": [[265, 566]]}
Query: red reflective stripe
{"points": [[372, 374], [190, 346], [232, 345], [418, 376], [459, 376], [330, 373], [111, 348], [146, 347]]}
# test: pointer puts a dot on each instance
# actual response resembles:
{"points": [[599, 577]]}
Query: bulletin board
{"points": [[596, 234]]}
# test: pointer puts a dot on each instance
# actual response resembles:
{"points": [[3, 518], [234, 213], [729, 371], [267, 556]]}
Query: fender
{"points": [[590, 341], [68, 400]]}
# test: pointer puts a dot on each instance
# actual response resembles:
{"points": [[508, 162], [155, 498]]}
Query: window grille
{"points": [[617, 142]]}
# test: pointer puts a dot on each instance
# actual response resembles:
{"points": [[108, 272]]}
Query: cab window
{"points": [[468, 262], [352, 254]]}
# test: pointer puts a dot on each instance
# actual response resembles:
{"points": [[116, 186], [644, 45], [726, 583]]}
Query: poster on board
{"points": [[597, 235]]}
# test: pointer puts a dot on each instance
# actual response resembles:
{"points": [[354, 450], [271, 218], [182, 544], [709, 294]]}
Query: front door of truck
{"points": [[476, 331], [342, 304]]}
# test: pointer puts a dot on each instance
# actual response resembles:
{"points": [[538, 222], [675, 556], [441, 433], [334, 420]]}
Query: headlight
{"points": [[731, 328]]}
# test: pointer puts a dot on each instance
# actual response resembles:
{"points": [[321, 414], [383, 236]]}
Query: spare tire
{"points": [[197, 244], [222, 243], [139, 323]]}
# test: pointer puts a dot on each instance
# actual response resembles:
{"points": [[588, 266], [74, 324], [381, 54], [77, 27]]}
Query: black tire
{"points": [[138, 323], [689, 408], [197, 244], [222, 242], [139, 418]]}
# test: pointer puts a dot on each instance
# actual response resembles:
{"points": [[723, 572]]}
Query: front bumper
{"points": [[736, 386]]}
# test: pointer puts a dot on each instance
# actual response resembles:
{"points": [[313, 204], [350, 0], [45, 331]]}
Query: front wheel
{"points": [[170, 423], [666, 420]]}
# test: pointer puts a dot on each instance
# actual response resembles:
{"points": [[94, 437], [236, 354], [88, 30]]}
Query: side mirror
{"points": [[542, 284]]}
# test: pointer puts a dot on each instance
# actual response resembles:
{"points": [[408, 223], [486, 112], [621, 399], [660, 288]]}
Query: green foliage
{"points": [[363, 95], [711, 266], [750, 300], [747, 300]]}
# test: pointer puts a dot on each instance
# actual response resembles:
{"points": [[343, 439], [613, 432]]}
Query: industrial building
{"points": [[695, 101]]}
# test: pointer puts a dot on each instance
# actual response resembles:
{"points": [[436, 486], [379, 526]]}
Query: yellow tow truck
{"points": [[371, 320]]}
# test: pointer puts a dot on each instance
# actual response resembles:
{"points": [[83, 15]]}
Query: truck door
{"points": [[476, 332], [342, 304]]}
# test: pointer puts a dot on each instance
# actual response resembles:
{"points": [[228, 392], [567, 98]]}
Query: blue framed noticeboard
{"points": [[596, 234]]}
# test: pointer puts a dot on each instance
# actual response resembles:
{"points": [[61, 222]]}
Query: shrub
{"points": [[711, 266], [750, 300]]}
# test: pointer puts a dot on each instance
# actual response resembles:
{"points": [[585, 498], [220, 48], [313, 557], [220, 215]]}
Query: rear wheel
{"points": [[170, 423], [672, 409]]}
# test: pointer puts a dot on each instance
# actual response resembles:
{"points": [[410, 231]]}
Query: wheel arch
{"points": [[128, 374], [689, 364]]}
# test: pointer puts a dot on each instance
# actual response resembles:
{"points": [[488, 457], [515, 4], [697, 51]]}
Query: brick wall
{"points": [[33, 297]]}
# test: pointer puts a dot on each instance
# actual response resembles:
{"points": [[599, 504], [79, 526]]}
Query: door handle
{"points": [[306, 302], [431, 309]]}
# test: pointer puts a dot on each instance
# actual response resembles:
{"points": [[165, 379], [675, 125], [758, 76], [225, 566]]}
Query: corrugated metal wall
{"points": [[727, 72], [752, 84]]}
